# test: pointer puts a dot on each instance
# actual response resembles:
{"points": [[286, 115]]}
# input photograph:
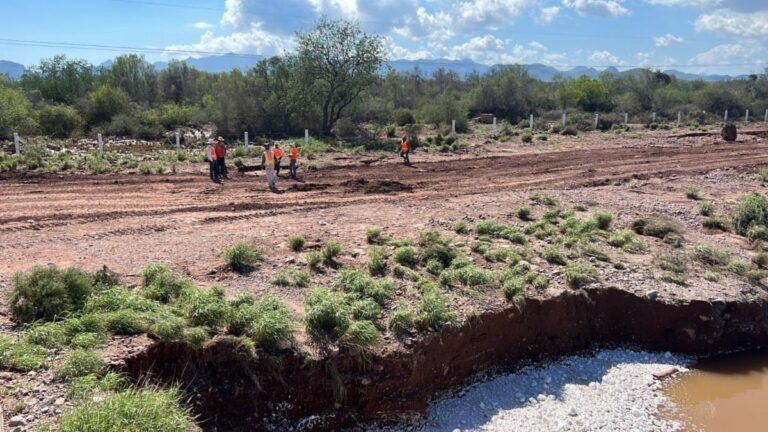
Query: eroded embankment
{"points": [[292, 392]]}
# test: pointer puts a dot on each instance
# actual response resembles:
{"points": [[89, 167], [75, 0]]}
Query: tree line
{"points": [[332, 83]]}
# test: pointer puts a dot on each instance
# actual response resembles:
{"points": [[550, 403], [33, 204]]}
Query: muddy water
{"points": [[728, 393]]}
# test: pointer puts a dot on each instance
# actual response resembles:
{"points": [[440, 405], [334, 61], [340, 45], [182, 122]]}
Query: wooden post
{"points": [[306, 137], [530, 123], [245, 139], [178, 140], [17, 143], [101, 144], [453, 126]]}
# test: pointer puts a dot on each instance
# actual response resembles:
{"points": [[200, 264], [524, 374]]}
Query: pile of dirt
{"points": [[361, 185]]}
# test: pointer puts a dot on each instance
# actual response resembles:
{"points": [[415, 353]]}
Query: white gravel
{"points": [[613, 390]]}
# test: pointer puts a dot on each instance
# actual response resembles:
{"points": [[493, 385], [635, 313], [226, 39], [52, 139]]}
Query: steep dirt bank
{"points": [[292, 392]]}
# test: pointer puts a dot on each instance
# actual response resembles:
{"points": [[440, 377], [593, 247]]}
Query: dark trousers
{"points": [[222, 166], [277, 165], [404, 155], [292, 167], [214, 167]]}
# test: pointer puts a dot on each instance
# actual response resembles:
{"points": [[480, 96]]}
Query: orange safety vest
{"points": [[293, 153], [211, 153], [404, 145], [269, 158], [278, 153]]}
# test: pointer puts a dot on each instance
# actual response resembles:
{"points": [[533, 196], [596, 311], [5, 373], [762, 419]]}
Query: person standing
{"points": [[268, 162], [405, 150], [293, 156], [278, 158], [210, 154], [221, 152]]}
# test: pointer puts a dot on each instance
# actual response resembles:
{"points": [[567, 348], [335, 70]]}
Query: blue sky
{"points": [[710, 36]]}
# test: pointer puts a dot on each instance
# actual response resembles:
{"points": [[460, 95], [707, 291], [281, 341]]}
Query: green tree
{"points": [[60, 79], [106, 102], [59, 121], [135, 76], [15, 115], [336, 62]]}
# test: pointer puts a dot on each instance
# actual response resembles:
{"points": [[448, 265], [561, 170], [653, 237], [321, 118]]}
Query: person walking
{"points": [[278, 158], [405, 150], [210, 154], [221, 152], [268, 162], [293, 156]]}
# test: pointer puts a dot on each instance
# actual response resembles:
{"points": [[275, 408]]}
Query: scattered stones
{"points": [[666, 372], [17, 421], [652, 295]]}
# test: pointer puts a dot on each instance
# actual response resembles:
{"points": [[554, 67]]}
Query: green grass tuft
{"points": [[242, 256]]}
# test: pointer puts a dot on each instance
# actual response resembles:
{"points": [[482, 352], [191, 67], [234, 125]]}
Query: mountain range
{"points": [[463, 68]]}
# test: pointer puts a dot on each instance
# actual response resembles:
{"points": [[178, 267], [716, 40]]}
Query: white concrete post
{"points": [[597, 119], [626, 119], [564, 120], [679, 114], [531, 122], [245, 140], [178, 140], [453, 126], [494, 125], [725, 117], [746, 116], [306, 137], [101, 144], [654, 118], [766, 116], [16, 143]]}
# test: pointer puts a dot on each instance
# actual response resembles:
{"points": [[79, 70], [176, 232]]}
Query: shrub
{"points": [[402, 272], [460, 227], [45, 293], [406, 256], [48, 335], [326, 313], [553, 255], [207, 308], [169, 329], [547, 200], [59, 121], [365, 309], [673, 262], [377, 264], [760, 260], [488, 227], [296, 242], [361, 335], [578, 275], [401, 318], [117, 298], [757, 233], [706, 209], [355, 281], [526, 137], [80, 363], [656, 226], [125, 322], [538, 281], [736, 267], [751, 210], [403, 116], [434, 267], [627, 241], [715, 222], [602, 220], [330, 251], [313, 259], [242, 256], [433, 311], [139, 410], [273, 323], [88, 340], [692, 193], [595, 252], [469, 276], [22, 357], [197, 336], [513, 287], [160, 284], [375, 235], [524, 213], [711, 256]]}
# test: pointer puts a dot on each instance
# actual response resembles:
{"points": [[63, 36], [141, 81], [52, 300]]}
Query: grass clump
{"points": [[406, 256], [627, 241], [512, 287], [706, 209], [751, 210], [711, 256], [361, 335], [579, 275], [355, 281], [297, 242], [197, 336], [273, 323], [45, 293], [602, 220], [715, 222], [433, 311], [524, 213], [488, 227], [313, 259], [758, 233], [84, 387], [545, 199], [292, 277], [169, 329], [207, 308], [403, 272], [692, 193], [88, 340], [401, 318], [20, 356], [365, 309], [460, 227], [125, 322], [376, 236], [760, 260], [657, 226], [467, 276], [377, 261], [47, 335], [79, 363], [330, 251], [553, 255], [326, 313], [242, 257], [675, 267], [132, 410], [160, 284]]}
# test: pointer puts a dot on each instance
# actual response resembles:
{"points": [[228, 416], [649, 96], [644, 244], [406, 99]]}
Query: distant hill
{"points": [[13, 70], [426, 67]]}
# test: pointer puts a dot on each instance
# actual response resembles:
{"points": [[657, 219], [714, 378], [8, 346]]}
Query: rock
{"points": [[729, 132], [290, 260], [59, 401], [666, 372], [652, 294], [572, 412], [541, 398], [16, 421]]}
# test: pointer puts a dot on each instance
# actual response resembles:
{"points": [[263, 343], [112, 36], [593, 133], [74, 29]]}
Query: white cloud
{"points": [[605, 58], [698, 3], [203, 25], [753, 24], [748, 53], [548, 14], [397, 52], [666, 40], [602, 8], [644, 58], [253, 41], [490, 13]]}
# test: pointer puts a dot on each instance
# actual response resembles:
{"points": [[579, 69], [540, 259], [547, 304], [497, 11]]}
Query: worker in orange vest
{"points": [[278, 158], [293, 155], [210, 155], [405, 150], [221, 151], [268, 162]]}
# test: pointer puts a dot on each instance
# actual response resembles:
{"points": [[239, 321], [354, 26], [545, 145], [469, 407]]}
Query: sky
{"points": [[702, 36]]}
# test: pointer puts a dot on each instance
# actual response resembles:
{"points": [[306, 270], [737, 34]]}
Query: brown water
{"points": [[728, 394]]}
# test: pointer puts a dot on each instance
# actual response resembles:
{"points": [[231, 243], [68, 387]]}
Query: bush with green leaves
{"points": [[45, 293], [750, 210], [524, 213], [49, 335], [489, 227], [758, 233], [526, 138], [160, 284], [355, 281], [553, 255], [406, 256], [296, 242], [148, 409], [330, 251], [125, 322], [692, 193], [403, 272], [579, 275], [706, 209], [361, 335], [401, 318], [88, 340], [715, 222], [375, 235], [273, 322], [377, 261], [291, 277], [626, 240], [467, 276], [657, 226], [206, 308], [460, 227], [433, 311], [197, 336], [20, 356], [760, 260], [79, 363], [326, 313], [242, 256], [169, 328], [513, 287], [711, 256], [602, 220], [313, 259]]}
